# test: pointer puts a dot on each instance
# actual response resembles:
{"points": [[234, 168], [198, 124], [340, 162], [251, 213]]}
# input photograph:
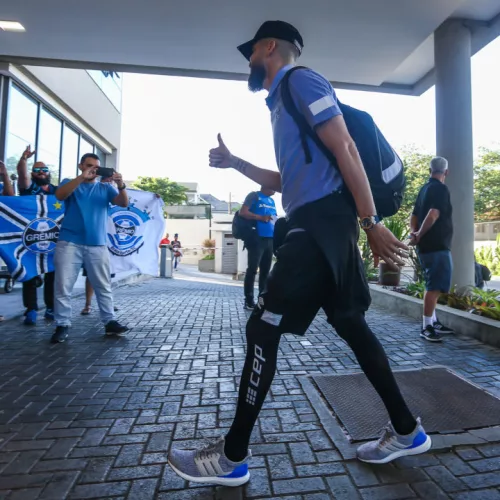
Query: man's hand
{"points": [[118, 178], [27, 153], [220, 157], [3, 169], [414, 238], [88, 174], [265, 218], [386, 246]]}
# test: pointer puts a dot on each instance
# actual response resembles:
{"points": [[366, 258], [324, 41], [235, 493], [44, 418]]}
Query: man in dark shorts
{"points": [[432, 232], [322, 220], [38, 183]]}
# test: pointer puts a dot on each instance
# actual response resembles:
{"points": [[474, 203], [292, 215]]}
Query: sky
{"points": [[170, 123]]}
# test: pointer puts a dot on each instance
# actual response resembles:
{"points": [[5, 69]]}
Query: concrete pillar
{"points": [[452, 53]]}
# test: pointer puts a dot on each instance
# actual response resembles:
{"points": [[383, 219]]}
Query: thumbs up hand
{"points": [[220, 157]]}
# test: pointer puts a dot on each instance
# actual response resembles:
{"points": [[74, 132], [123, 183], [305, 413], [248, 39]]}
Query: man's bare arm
{"points": [[430, 219], [266, 178], [246, 214], [336, 138], [121, 199], [8, 189], [414, 224], [23, 180]]}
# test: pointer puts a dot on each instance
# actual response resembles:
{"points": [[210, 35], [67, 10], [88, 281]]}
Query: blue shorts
{"points": [[437, 267]]}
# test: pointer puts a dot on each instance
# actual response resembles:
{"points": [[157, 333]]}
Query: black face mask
{"points": [[41, 182], [256, 78]]}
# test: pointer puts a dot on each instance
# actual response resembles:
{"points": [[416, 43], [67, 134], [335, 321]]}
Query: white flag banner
{"points": [[134, 233]]}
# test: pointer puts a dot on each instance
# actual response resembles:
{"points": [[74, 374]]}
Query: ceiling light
{"points": [[11, 26]]}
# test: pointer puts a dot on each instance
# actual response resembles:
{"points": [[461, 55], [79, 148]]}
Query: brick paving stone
{"points": [[444, 478], [478, 481], [302, 485], [143, 489], [362, 474], [98, 419], [342, 488], [486, 465], [429, 490], [390, 492], [100, 491], [302, 453], [280, 467], [478, 495]]}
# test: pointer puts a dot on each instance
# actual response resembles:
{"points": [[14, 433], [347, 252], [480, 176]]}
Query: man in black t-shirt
{"points": [[432, 232], [39, 183]]}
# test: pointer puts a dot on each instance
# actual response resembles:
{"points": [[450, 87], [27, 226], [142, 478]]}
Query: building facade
{"points": [[62, 113]]}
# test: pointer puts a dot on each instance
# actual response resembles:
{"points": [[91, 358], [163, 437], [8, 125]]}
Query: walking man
{"points": [[82, 242], [38, 183], [259, 207], [322, 219], [432, 232], [177, 248]]}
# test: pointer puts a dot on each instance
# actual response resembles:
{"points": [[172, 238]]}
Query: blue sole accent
{"points": [[419, 440], [240, 471]]}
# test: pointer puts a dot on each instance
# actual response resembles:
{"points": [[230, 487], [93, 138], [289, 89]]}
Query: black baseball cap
{"points": [[273, 29]]}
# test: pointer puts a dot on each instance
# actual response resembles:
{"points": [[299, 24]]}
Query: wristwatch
{"points": [[368, 223], [122, 188]]}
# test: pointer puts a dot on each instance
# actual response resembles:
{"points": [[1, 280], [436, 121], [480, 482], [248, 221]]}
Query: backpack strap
{"points": [[305, 129]]}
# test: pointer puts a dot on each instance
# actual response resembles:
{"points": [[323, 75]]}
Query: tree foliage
{"points": [[487, 186], [170, 192]]}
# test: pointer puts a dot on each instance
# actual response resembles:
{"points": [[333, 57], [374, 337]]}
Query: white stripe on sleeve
{"points": [[321, 104]]}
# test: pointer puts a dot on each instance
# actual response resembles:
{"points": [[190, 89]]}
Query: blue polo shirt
{"points": [[86, 213], [314, 96]]}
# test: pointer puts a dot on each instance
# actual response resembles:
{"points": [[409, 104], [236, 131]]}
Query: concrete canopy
{"points": [[383, 45]]}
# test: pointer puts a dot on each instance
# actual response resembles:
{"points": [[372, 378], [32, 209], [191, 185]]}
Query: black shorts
{"points": [[318, 266]]}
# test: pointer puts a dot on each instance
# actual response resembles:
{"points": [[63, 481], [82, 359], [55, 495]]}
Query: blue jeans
{"points": [[68, 261]]}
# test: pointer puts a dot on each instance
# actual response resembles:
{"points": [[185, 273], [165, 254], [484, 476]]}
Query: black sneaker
{"points": [[114, 328], [441, 328], [249, 305], [60, 335], [428, 333]]}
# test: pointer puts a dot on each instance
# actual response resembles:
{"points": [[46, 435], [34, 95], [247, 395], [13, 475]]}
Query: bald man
{"points": [[39, 183]]}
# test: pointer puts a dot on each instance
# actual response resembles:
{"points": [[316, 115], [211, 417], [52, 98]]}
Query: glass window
{"points": [[21, 127], [69, 161], [102, 156], [110, 82], [49, 143], [85, 147]]}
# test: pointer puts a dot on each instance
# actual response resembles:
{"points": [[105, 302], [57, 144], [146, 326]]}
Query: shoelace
{"points": [[208, 451], [387, 435]]}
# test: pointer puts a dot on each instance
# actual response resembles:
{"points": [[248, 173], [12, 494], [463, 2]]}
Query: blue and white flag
{"points": [[29, 229], [134, 233]]}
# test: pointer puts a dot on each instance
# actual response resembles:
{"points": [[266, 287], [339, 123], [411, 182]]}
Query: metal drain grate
{"points": [[445, 401]]}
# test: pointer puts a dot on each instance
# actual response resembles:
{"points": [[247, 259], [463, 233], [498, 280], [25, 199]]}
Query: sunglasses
{"points": [[38, 170]]}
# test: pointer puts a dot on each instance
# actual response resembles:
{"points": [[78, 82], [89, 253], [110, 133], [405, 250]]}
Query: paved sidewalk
{"points": [[95, 417]]}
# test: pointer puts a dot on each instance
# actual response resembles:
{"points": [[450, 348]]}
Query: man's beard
{"points": [[256, 78], [41, 181]]}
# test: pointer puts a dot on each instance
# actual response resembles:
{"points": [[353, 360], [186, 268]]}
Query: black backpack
{"points": [[383, 166], [243, 229]]}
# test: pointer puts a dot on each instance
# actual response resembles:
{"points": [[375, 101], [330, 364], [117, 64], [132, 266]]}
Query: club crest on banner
{"points": [[126, 233], [41, 235]]}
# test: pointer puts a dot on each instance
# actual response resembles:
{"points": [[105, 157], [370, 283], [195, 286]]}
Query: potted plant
{"points": [[207, 263], [387, 276]]}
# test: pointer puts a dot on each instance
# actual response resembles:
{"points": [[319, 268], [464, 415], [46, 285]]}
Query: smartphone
{"points": [[105, 172]]}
